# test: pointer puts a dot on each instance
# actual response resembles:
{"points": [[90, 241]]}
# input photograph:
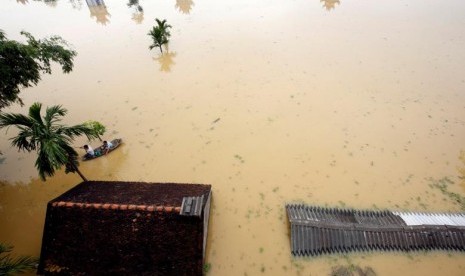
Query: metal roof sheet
{"points": [[316, 230]]}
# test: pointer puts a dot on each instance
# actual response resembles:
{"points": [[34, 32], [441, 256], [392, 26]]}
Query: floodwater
{"points": [[356, 104]]}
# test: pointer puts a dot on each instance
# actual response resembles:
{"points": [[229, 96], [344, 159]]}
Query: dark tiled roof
{"points": [[126, 228]]}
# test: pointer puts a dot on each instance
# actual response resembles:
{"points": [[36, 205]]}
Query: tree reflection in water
{"points": [[166, 60], [138, 14], [51, 3], [98, 10], [184, 6], [330, 4], [76, 4], [138, 17]]}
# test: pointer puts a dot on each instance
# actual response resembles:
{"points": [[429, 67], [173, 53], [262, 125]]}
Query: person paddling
{"points": [[107, 146], [89, 152]]}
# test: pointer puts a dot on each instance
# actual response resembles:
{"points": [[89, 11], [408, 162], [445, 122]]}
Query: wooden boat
{"points": [[99, 151]]}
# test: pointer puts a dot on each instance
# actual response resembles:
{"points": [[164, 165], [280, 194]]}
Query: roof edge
{"points": [[148, 208]]}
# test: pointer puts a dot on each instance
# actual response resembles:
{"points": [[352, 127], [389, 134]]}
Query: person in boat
{"points": [[89, 151], [107, 146]]}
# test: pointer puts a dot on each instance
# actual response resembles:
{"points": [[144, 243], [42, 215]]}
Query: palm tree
{"points": [[51, 140], [159, 34], [17, 265]]}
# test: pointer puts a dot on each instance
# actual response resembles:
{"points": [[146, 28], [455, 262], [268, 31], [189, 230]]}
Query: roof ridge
{"points": [[114, 206]]}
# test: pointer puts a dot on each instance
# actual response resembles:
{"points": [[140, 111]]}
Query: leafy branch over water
{"points": [[21, 64]]}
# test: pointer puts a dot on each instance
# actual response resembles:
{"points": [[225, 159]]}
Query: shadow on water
{"points": [[184, 6], [22, 210], [330, 4]]}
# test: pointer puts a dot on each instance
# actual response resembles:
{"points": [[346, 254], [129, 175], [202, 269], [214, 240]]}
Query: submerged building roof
{"points": [[127, 228], [316, 230], [138, 193]]}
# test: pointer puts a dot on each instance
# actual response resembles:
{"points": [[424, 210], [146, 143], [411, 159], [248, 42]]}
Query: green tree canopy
{"points": [[21, 64], [98, 128], [160, 34], [48, 137]]}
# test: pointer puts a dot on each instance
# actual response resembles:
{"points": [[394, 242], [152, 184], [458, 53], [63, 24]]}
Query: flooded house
{"points": [[126, 228]]}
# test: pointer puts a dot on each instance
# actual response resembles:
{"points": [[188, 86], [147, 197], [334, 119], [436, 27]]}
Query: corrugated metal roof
{"points": [[416, 218], [316, 230], [192, 206]]}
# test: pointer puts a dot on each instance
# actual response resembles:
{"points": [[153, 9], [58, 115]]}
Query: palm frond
{"points": [[34, 114], [24, 140], [77, 130], [10, 265], [55, 151], [50, 158], [71, 153], [11, 119], [53, 113], [159, 34], [160, 22], [4, 248]]}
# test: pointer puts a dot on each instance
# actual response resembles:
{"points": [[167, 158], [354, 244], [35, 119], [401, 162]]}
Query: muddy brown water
{"points": [[356, 104]]}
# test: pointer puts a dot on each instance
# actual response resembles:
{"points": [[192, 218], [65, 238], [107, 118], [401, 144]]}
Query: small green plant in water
{"points": [[238, 157], [207, 267], [352, 270], [159, 34], [443, 185]]}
